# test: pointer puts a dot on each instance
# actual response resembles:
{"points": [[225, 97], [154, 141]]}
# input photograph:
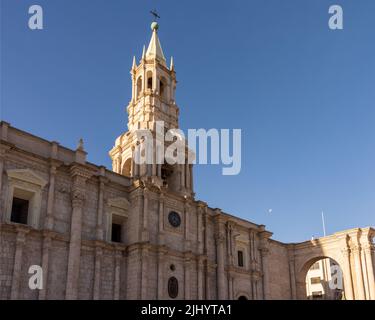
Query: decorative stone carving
{"points": [[26, 175], [121, 203]]}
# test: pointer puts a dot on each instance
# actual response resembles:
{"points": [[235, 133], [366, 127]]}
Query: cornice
{"points": [[81, 170]]}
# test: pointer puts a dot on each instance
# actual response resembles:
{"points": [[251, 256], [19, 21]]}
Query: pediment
{"points": [[26, 175], [120, 202]]}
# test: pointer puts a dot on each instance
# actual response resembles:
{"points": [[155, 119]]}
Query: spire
{"points": [[144, 52], [134, 64], [171, 66], [154, 49]]}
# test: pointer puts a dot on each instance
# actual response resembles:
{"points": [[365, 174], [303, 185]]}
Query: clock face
{"points": [[174, 219]]}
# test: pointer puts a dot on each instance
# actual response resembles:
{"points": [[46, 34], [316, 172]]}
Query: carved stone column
{"points": [[160, 280], [154, 164], [187, 282], [117, 280], [137, 154], [132, 168], [51, 197], [231, 242], [17, 266], [360, 289], [145, 231], [187, 241], [45, 264], [206, 222], [292, 274], [182, 172], [220, 238], [99, 223], [161, 219], [264, 250], [199, 229], [79, 175], [210, 268], [144, 272], [200, 283], [230, 286], [133, 89], [119, 164], [97, 272], [264, 255], [191, 177], [251, 262], [368, 249], [187, 176], [254, 285]]}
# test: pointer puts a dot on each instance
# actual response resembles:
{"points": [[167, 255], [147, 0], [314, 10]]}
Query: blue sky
{"points": [[302, 94]]}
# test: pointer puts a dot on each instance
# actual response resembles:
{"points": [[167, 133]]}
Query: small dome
{"points": [[154, 26]]}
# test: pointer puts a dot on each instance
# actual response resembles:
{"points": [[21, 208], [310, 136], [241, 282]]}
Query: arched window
{"points": [[139, 86], [149, 80], [163, 88], [173, 287], [126, 169]]}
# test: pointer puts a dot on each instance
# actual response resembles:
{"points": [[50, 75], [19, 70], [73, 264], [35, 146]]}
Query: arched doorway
{"points": [[323, 279], [242, 298]]}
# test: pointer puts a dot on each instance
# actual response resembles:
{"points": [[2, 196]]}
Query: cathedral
{"points": [[137, 231]]}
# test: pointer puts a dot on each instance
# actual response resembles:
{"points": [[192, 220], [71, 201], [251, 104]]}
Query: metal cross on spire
{"points": [[155, 14]]}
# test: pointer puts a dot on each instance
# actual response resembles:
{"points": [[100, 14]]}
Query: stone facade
{"points": [[76, 209]]}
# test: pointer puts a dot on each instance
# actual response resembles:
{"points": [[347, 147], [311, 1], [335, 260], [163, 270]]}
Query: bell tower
{"points": [[153, 88], [152, 102]]}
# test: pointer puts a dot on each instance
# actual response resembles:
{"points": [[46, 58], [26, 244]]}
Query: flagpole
{"points": [[324, 225]]}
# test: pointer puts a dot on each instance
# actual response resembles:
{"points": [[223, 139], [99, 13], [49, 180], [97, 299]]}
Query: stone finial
{"points": [[134, 66], [171, 67], [144, 52], [80, 156], [80, 146], [4, 130]]}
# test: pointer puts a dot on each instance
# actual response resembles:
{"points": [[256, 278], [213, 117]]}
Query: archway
{"points": [[242, 298], [324, 279]]}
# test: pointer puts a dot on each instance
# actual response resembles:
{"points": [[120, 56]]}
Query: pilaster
{"points": [[360, 289], [97, 271], [47, 240], [292, 273], [17, 266], [369, 251], [79, 175], [264, 253], [219, 239], [200, 276], [161, 264], [99, 225]]}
